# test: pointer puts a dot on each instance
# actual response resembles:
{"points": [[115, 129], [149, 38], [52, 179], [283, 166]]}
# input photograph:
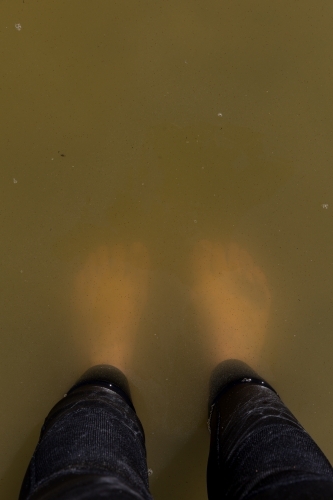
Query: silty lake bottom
{"points": [[184, 150]]}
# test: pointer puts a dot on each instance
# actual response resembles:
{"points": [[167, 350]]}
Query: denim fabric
{"points": [[260, 451], [91, 446]]}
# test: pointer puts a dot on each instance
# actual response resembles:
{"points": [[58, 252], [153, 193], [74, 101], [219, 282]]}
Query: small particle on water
{"points": [[14, 180], [195, 222], [150, 472], [143, 184], [65, 395], [325, 205], [18, 27], [52, 158], [219, 114], [21, 271]]}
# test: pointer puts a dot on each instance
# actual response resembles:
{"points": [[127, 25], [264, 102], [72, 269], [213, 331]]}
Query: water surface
{"points": [[164, 123]]}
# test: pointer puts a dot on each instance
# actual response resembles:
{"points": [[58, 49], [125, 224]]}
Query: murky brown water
{"points": [[164, 123]]}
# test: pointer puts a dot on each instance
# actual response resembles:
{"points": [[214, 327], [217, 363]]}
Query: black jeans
{"points": [[92, 445]]}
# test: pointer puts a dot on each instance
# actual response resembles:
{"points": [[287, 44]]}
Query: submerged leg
{"points": [[232, 301], [109, 297]]}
